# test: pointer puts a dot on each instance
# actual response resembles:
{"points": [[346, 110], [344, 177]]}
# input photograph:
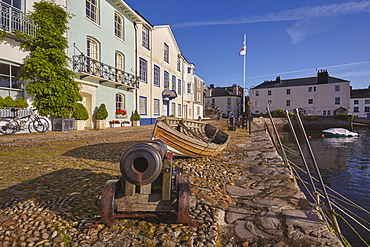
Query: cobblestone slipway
{"points": [[244, 197]]}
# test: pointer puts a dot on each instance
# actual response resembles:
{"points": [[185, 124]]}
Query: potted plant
{"points": [[121, 113], [100, 116], [113, 123], [135, 119], [125, 123], [80, 114]]}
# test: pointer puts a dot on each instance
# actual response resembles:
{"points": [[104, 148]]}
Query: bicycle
{"points": [[11, 125]]}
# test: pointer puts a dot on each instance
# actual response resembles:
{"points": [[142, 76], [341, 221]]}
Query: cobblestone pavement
{"points": [[246, 196]]}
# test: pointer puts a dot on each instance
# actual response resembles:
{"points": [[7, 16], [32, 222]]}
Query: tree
{"points": [[52, 85]]}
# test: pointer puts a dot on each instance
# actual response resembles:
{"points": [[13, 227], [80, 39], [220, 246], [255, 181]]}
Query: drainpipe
{"points": [[137, 80]]}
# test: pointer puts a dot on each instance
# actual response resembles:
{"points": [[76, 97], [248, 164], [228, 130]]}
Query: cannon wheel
{"points": [[183, 210], [107, 202]]}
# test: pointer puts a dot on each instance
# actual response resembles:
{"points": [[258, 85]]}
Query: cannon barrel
{"points": [[141, 164]]}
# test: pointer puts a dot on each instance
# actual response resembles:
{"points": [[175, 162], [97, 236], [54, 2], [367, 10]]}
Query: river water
{"points": [[345, 167]]}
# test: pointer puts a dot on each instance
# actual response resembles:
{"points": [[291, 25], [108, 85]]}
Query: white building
{"points": [[321, 95], [227, 99], [360, 103]]}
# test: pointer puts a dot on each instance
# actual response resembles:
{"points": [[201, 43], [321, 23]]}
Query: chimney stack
{"points": [[278, 80], [322, 76]]}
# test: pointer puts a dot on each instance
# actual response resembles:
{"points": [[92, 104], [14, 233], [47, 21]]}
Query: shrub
{"points": [[172, 115], [344, 117], [136, 116], [101, 113], [278, 113], [9, 102], [80, 112], [22, 103]]}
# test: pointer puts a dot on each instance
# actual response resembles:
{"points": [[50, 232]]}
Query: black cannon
{"points": [[149, 184]]}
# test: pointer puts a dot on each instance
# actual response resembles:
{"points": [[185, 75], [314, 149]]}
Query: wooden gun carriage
{"points": [[149, 184]]}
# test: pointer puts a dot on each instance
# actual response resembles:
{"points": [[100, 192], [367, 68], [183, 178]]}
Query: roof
{"points": [[360, 93], [297, 82], [227, 91]]}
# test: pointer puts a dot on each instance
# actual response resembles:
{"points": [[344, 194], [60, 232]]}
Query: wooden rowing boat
{"points": [[190, 138]]}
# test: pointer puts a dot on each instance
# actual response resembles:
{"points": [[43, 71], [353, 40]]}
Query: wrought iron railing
{"points": [[87, 65], [13, 19], [7, 112]]}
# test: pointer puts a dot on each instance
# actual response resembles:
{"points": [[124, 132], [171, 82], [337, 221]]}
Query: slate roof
{"points": [[297, 82], [360, 93]]}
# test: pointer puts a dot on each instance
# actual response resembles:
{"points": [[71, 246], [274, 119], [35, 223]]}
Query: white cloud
{"points": [[305, 18], [332, 10]]}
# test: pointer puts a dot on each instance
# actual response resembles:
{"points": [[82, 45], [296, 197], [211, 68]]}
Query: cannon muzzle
{"points": [[141, 164]]}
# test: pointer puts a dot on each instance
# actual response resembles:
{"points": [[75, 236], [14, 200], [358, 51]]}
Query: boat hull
{"points": [[339, 132], [181, 144]]}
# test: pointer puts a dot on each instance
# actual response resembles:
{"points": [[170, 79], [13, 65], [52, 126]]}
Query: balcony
{"points": [[85, 66], [13, 19]]}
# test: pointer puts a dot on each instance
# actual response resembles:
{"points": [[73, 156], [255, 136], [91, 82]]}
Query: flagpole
{"points": [[244, 78]]}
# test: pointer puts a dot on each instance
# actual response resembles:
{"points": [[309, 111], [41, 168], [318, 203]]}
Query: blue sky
{"points": [[286, 38]]}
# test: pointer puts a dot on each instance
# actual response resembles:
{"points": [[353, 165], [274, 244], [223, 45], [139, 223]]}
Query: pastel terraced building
{"points": [[119, 58], [13, 18]]}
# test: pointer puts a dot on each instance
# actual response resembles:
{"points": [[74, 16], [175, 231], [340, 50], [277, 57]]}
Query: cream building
{"points": [[159, 63], [321, 95]]}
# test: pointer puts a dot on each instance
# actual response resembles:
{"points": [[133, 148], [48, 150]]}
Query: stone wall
{"points": [[317, 123]]}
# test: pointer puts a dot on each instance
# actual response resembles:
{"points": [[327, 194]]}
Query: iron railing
{"points": [[89, 66], [13, 19]]}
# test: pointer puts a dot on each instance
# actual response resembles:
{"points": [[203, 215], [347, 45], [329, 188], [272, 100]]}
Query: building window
{"points": [[92, 10], [15, 3], [156, 107], [329, 113], [118, 26], [367, 101], [355, 102], [189, 70], [92, 48], [355, 109], [198, 110], [367, 108], [257, 93], [145, 37], [189, 88], [179, 110], [179, 87], [157, 76], [119, 61], [143, 70], [9, 76], [166, 80], [337, 88], [120, 101], [287, 103], [324, 112], [314, 89], [173, 82], [198, 83], [179, 64], [269, 92], [309, 89], [256, 103], [310, 101], [166, 53], [228, 100], [288, 91], [198, 97], [173, 108], [269, 103], [337, 100], [142, 105]]}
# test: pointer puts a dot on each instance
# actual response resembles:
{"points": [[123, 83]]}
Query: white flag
{"points": [[243, 50]]}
